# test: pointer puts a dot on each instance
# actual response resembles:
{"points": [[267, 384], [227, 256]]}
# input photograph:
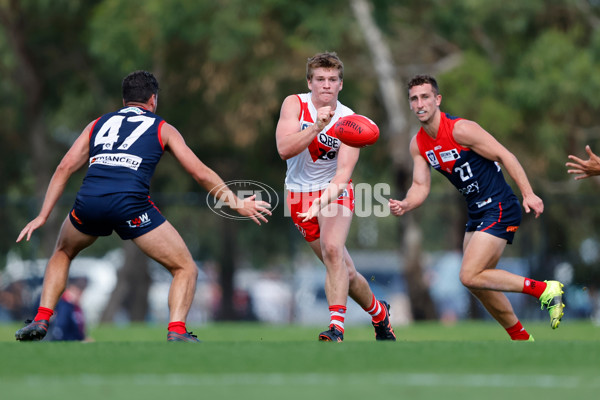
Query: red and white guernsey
{"points": [[315, 166]]}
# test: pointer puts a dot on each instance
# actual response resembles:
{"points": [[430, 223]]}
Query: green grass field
{"points": [[471, 360]]}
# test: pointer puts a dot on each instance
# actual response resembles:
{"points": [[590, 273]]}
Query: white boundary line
{"points": [[278, 379]]}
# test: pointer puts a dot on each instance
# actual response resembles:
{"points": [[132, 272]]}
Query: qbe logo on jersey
{"points": [[225, 207]]}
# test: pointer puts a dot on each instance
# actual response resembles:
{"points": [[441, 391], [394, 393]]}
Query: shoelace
{"points": [[547, 304], [334, 331], [30, 321], [381, 327], [192, 335]]}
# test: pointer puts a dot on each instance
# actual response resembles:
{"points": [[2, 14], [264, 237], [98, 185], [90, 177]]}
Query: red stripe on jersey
{"points": [[314, 149], [160, 134], [304, 112], [301, 110], [93, 126]]}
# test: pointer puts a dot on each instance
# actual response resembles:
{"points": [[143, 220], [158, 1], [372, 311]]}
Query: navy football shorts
{"points": [[129, 214], [501, 220]]}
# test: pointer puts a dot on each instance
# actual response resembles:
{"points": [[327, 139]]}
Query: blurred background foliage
{"points": [[528, 72]]}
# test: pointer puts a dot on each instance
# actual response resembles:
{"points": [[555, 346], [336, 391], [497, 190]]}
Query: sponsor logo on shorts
{"points": [[117, 160], [511, 228], [484, 202], [140, 221]]}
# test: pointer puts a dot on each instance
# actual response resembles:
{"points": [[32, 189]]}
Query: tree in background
{"points": [[225, 66], [44, 61]]}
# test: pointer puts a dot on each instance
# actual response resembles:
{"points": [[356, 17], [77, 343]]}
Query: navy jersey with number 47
{"points": [[125, 147], [478, 179]]}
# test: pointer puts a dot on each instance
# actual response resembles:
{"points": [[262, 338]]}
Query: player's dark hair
{"points": [[328, 60], [419, 80], [139, 86]]}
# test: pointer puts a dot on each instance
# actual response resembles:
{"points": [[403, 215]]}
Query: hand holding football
{"points": [[356, 130]]}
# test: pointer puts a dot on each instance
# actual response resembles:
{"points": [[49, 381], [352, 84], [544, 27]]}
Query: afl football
{"points": [[356, 130]]}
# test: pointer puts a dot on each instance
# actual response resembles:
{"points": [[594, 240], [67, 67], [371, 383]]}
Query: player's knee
{"points": [[352, 274], [332, 251], [192, 272], [468, 280], [64, 253]]}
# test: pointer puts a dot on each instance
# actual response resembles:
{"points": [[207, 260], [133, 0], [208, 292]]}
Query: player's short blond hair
{"points": [[328, 60]]}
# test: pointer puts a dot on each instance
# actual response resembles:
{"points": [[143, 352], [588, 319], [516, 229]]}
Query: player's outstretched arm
{"points": [[584, 168], [421, 184], [74, 159], [209, 180]]}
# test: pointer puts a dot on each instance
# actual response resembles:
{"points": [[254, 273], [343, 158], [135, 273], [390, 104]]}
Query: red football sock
{"points": [[43, 313], [534, 288], [338, 315], [376, 310], [177, 327], [517, 332]]}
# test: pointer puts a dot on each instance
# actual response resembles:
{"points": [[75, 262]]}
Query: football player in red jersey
{"points": [[584, 168], [470, 158], [320, 195], [122, 149]]}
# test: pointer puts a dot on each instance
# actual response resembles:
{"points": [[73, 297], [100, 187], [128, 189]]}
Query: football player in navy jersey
{"points": [[122, 149], [584, 168], [470, 158]]}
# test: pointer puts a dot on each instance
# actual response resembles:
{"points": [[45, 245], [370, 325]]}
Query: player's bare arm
{"points": [[584, 168], [291, 141], [73, 160], [421, 184], [209, 180], [471, 135], [347, 159]]}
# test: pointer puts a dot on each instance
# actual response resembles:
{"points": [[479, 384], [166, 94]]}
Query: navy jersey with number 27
{"points": [[478, 179], [125, 147]]}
